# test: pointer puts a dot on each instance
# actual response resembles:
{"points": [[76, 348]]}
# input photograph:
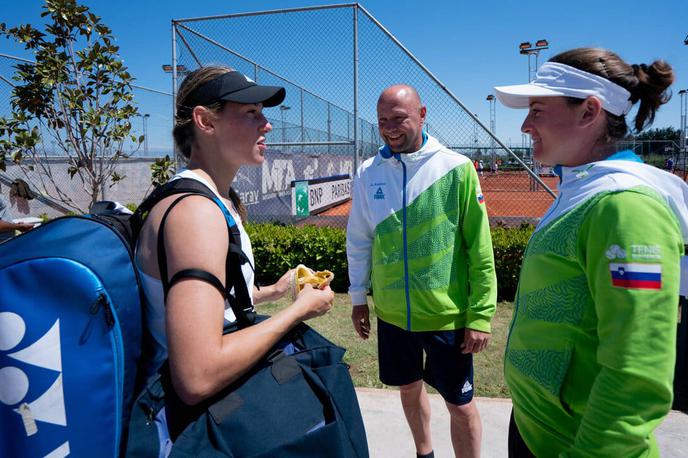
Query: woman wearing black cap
{"points": [[219, 128], [591, 349]]}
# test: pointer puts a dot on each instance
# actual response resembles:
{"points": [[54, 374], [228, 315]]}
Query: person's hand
{"points": [[474, 341], [283, 285], [23, 227], [360, 315], [314, 302]]}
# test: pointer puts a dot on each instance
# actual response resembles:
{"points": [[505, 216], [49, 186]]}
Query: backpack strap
{"points": [[178, 186], [240, 302]]}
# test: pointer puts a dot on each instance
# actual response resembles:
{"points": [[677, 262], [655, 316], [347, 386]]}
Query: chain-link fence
{"points": [[334, 61]]}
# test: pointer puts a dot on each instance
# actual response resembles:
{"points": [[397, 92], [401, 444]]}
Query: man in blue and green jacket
{"points": [[418, 232]]}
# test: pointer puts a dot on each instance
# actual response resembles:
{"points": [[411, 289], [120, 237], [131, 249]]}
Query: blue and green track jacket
{"points": [[590, 355], [418, 229]]}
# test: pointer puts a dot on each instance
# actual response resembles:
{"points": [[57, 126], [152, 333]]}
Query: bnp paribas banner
{"points": [[310, 197], [267, 190]]}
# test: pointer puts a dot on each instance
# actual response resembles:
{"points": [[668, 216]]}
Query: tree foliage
{"points": [[664, 133], [77, 95], [162, 170]]}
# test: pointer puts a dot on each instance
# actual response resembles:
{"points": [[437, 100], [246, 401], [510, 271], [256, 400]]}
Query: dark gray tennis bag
{"points": [[299, 401]]}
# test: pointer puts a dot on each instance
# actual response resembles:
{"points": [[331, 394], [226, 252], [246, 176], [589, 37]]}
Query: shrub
{"points": [[277, 248], [509, 244]]}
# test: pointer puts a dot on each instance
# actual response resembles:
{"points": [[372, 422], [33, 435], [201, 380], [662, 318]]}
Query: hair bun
{"points": [[652, 90]]}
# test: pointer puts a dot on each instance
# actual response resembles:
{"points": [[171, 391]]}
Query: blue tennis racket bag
{"points": [[71, 334], [70, 339]]}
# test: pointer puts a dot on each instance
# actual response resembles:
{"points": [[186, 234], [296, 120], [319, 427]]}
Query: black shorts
{"points": [[400, 356]]}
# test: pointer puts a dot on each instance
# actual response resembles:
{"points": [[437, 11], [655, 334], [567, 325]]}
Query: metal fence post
{"points": [[356, 140], [177, 161]]}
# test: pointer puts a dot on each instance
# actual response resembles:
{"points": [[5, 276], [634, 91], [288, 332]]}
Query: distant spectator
{"points": [[481, 167], [670, 164]]}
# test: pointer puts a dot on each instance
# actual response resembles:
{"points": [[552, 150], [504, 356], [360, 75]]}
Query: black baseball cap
{"points": [[234, 87]]}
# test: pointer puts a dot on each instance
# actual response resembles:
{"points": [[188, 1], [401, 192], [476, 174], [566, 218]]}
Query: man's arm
{"points": [[359, 242], [482, 278], [629, 232]]}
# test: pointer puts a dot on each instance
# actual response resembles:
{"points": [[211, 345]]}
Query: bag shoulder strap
{"points": [[240, 302]]}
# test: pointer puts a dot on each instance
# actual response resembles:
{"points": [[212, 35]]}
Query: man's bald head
{"points": [[400, 93], [400, 117]]}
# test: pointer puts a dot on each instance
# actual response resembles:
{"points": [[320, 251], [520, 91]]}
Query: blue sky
{"points": [[469, 46]]}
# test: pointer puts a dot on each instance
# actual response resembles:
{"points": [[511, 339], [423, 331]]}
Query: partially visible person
{"points": [[7, 227], [418, 226], [591, 350]]}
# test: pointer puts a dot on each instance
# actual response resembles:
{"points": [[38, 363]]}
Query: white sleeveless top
{"points": [[154, 313]]}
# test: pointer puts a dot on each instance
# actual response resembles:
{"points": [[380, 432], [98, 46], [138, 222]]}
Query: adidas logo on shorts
{"points": [[466, 387]]}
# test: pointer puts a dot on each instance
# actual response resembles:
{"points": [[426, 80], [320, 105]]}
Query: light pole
{"points": [[493, 127], [283, 108], [180, 70], [145, 134], [475, 135], [530, 50], [683, 142]]}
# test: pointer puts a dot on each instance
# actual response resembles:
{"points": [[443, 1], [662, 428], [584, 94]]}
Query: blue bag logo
{"points": [[48, 407]]}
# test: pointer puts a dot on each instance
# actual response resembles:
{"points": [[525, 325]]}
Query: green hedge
{"points": [[508, 244], [278, 248]]}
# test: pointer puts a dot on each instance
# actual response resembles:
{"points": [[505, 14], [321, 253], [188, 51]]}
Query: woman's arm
{"points": [[202, 359], [632, 246]]}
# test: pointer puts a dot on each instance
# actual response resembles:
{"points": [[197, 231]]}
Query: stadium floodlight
{"points": [[527, 49], [167, 68]]}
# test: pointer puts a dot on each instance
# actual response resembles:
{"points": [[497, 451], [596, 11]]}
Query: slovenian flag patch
{"points": [[480, 197], [636, 275]]}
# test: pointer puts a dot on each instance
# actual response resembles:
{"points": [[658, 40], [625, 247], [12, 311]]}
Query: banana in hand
{"points": [[303, 275]]}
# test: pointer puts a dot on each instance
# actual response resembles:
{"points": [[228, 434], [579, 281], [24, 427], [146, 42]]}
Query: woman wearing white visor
{"points": [[591, 350]]}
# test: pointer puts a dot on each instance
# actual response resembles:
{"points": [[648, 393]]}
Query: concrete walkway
{"points": [[389, 436]]}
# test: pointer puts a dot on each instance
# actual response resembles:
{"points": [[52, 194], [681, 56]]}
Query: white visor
{"points": [[554, 79]]}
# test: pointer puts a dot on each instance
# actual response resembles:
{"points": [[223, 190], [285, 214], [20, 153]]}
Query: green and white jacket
{"points": [[418, 223], [591, 349]]}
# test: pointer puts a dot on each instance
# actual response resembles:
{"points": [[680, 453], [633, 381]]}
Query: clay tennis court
{"points": [[508, 195]]}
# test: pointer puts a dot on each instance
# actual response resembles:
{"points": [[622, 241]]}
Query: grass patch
{"points": [[362, 355]]}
